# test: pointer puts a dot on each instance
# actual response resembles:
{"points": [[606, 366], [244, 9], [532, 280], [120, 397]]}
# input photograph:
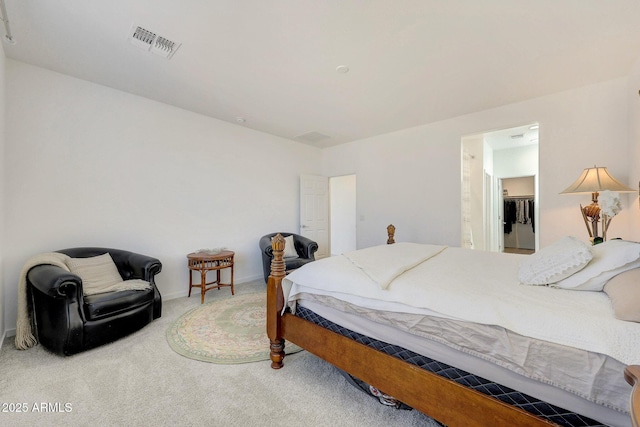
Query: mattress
{"points": [[578, 382], [480, 287]]}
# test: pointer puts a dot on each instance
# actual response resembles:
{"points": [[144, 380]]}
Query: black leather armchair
{"points": [[305, 248], [68, 322]]}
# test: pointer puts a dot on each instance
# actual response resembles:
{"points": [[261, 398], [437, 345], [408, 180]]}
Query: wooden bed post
{"points": [[391, 231], [275, 302]]}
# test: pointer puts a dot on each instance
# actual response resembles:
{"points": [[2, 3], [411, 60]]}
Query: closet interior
{"points": [[519, 214]]}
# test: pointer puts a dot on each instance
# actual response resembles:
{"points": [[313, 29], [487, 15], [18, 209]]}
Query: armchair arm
{"points": [[57, 308], [265, 245], [132, 265], [55, 282], [306, 247]]}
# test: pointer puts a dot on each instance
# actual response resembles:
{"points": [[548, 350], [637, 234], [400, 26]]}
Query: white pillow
{"points": [[555, 262], [97, 273], [289, 247], [609, 259], [624, 293]]}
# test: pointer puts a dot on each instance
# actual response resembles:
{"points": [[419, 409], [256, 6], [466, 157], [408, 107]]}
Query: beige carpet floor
{"points": [[140, 381]]}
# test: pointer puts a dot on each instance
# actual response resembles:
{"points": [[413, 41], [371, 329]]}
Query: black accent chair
{"points": [[305, 248], [68, 322]]}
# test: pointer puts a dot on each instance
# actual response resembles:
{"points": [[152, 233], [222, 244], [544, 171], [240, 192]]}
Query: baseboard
{"points": [[250, 278], [174, 295], [8, 333]]}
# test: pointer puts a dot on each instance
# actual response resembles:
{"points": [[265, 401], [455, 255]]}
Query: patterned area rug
{"points": [[228, 331]]}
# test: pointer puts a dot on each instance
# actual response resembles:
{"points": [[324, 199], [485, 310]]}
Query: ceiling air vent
{"points": [[312, 137], [148, 40]]}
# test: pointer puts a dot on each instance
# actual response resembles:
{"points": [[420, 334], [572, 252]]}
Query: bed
{"points": [[461, 389]]}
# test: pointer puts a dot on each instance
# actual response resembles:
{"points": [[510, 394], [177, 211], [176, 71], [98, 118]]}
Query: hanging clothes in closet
{"points": [[518, 210]]}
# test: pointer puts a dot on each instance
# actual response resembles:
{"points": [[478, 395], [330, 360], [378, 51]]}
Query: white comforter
{"points": [[473, 286]]}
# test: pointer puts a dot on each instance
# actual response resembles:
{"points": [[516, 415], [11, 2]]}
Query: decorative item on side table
{"points": [[595, 180]]}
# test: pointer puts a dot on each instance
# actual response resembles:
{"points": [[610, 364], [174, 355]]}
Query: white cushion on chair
{"points": [[289, 248], [97, 273]]}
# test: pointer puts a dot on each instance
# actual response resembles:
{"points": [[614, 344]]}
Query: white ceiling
{"points": [[273, 62]]}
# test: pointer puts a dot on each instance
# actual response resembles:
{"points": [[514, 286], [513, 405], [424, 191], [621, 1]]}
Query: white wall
{"points": [[89, 165], [411, 178]]}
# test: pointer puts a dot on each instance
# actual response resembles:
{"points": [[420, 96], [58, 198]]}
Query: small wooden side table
{"points": [[204, 262]]}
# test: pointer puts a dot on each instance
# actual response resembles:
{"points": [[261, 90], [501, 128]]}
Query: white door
{"points": [[314, 211], [342, 216]]}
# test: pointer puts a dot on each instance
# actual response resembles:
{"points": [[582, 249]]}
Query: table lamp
{"points": [[594, 180]]}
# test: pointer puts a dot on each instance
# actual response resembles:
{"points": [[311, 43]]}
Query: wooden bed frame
{"points": [[444, 400]]}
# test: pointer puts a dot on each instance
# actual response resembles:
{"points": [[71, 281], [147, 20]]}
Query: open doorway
{"points": [[518, 201], [487, 160]]}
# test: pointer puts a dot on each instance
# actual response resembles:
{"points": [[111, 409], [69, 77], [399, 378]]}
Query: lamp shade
{"points": [[596, 179]]}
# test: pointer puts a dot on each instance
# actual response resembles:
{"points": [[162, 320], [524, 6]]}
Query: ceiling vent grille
{"points": [[148, 40], [312, 137]]}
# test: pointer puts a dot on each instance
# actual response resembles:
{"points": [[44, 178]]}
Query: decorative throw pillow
{"points": [[97, 273], [610, 258], [555, 262], [289, 247], [624, 293]]}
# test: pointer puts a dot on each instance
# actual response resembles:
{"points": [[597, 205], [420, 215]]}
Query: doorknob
{"points": [[304, 226]]}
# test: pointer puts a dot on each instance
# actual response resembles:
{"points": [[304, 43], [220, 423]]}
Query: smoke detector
{"points": [[149, 40]]}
